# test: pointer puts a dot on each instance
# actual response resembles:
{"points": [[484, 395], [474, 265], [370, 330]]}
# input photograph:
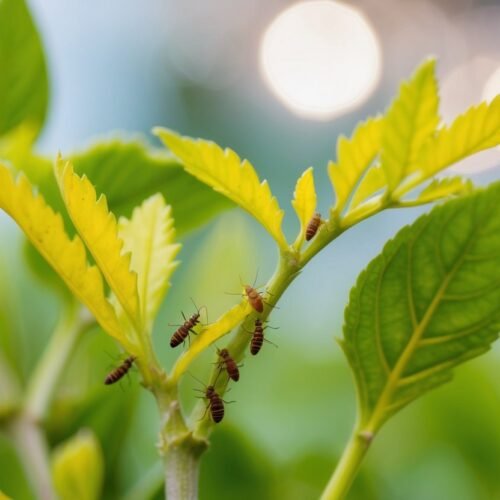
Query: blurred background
{"points": [[277, 81]]}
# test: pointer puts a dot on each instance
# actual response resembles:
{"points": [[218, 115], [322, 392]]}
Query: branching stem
{"points": [[182, 451], [31, 446], [43, 381]]}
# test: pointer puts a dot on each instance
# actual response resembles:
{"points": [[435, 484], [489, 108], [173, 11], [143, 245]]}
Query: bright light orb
{"points": [[321, 58]]}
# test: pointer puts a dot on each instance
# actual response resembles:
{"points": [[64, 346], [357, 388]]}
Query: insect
{"points": [[215, 402], [120, 371], [231, 365], [258, 337], [254, 298], [180, 335], [313, 226]]}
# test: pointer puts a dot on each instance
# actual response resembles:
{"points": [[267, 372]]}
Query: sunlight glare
{"points": [[321, 58]]}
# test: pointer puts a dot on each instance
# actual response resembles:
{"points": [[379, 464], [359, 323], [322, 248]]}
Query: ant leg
{"points": [[205, 412], [271, 327], [269, 342], [256, 276]]}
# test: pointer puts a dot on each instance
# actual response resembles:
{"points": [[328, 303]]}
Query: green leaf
{"points": [[128, 173], [149, 237], [45, 229], [226, 173], [409, 122], [475, 130], [209, 334], [373, 182], [428, 302], [354, 156], [78, 468], [439, 189], [304, 202], [98, 228], [23, 81]]}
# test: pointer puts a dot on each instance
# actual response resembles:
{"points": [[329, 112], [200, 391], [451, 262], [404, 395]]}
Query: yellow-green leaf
{"points": [[227, 174], [149, 237], [442, 188], [210, 334], [477, 129], [354, 156], [45, 229], [3, 496], [373, 182], [78, 468], [409, 122], [98, 229], [304, 201]]}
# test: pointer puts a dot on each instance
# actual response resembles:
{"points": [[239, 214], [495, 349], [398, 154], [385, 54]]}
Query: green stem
{"points": [[290, 264], [180, 449], [287, 270], [32, 450], [48, 372], [10, 390], [343, 476], [181, 473]]}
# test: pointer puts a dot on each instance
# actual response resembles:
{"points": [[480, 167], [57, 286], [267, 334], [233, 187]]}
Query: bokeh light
{"points": [[320, 58]]}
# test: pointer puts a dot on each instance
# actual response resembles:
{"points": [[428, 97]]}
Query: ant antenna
{"points": [[194, 304], [255, 280], [197, 379], [199, 309]]}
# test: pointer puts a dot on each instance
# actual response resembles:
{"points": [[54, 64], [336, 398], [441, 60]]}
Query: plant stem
{"points": [[287, 270], [32, 449], [289, 266], [181, 473], [47, 373], [347, 468], [10, 390], [181, 451]]}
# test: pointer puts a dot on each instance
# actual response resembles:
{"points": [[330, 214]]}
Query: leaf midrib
{"points": [[246, 204], [377, 416]]}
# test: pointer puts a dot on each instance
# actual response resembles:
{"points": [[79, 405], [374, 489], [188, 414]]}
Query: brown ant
{"points": [[120, 371], [180, 335], [215, 402], [313, 226], [232, 367], [258, 337]]}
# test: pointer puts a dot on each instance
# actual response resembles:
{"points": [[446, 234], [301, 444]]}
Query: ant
{"points": [[119, 372], [258, 337], [180, 335], [215, 402]]}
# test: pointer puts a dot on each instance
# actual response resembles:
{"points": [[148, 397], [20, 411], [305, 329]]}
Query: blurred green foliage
{"points": [[295, 404], [23, 85]]}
